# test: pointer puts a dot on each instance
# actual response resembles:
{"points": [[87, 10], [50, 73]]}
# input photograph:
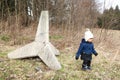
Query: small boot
{"points": [[89, 65], [89, 68], [84, 67]]}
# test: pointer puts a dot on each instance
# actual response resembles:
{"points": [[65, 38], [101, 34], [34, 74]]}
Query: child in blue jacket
{"points": [[86, 50]]}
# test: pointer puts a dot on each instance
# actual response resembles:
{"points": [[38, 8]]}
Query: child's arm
{"points": [[79, 51], [94, 51]]}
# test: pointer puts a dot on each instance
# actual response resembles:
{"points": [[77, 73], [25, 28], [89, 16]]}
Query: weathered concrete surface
{"points": [[41, 46], [49, 58], [55, 51], [29, 50], [42, 34]]}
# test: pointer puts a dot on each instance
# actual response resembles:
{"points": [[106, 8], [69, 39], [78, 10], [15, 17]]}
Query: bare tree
{"points": [[68, 15]]}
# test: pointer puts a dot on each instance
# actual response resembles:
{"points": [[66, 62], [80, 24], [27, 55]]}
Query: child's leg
{"points": [[84, 65], [89, 64]]}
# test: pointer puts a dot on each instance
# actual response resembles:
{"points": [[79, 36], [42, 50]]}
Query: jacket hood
{"points": [[83, 40]]}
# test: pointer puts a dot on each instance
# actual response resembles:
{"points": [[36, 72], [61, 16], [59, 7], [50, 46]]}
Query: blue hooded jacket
{"points": [[85, 47]]}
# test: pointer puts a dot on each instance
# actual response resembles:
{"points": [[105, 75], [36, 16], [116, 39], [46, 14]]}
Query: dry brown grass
{"points": [[105, 66]]}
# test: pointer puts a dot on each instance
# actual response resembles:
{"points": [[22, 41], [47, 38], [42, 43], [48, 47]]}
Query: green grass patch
{"points": [[5, 38], [56, 37], [4, 54], [71, 69]]}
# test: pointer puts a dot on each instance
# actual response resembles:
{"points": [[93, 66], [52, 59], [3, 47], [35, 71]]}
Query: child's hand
{"points": [[76, 57], [96, 54]]}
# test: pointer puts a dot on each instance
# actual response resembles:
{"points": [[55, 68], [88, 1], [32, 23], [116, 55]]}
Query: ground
{"points": [[106, 66]]}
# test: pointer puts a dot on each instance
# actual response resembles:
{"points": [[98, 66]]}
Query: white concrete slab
{"points": [[42, 34], [29, 50], [55, 51], [47, 55], [40, 47]]}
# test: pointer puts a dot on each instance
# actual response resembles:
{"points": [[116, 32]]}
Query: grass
{"points": [[5, 38], [24, 69], [71, 69], [18, 69], [4, 54], [56, 37]]}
